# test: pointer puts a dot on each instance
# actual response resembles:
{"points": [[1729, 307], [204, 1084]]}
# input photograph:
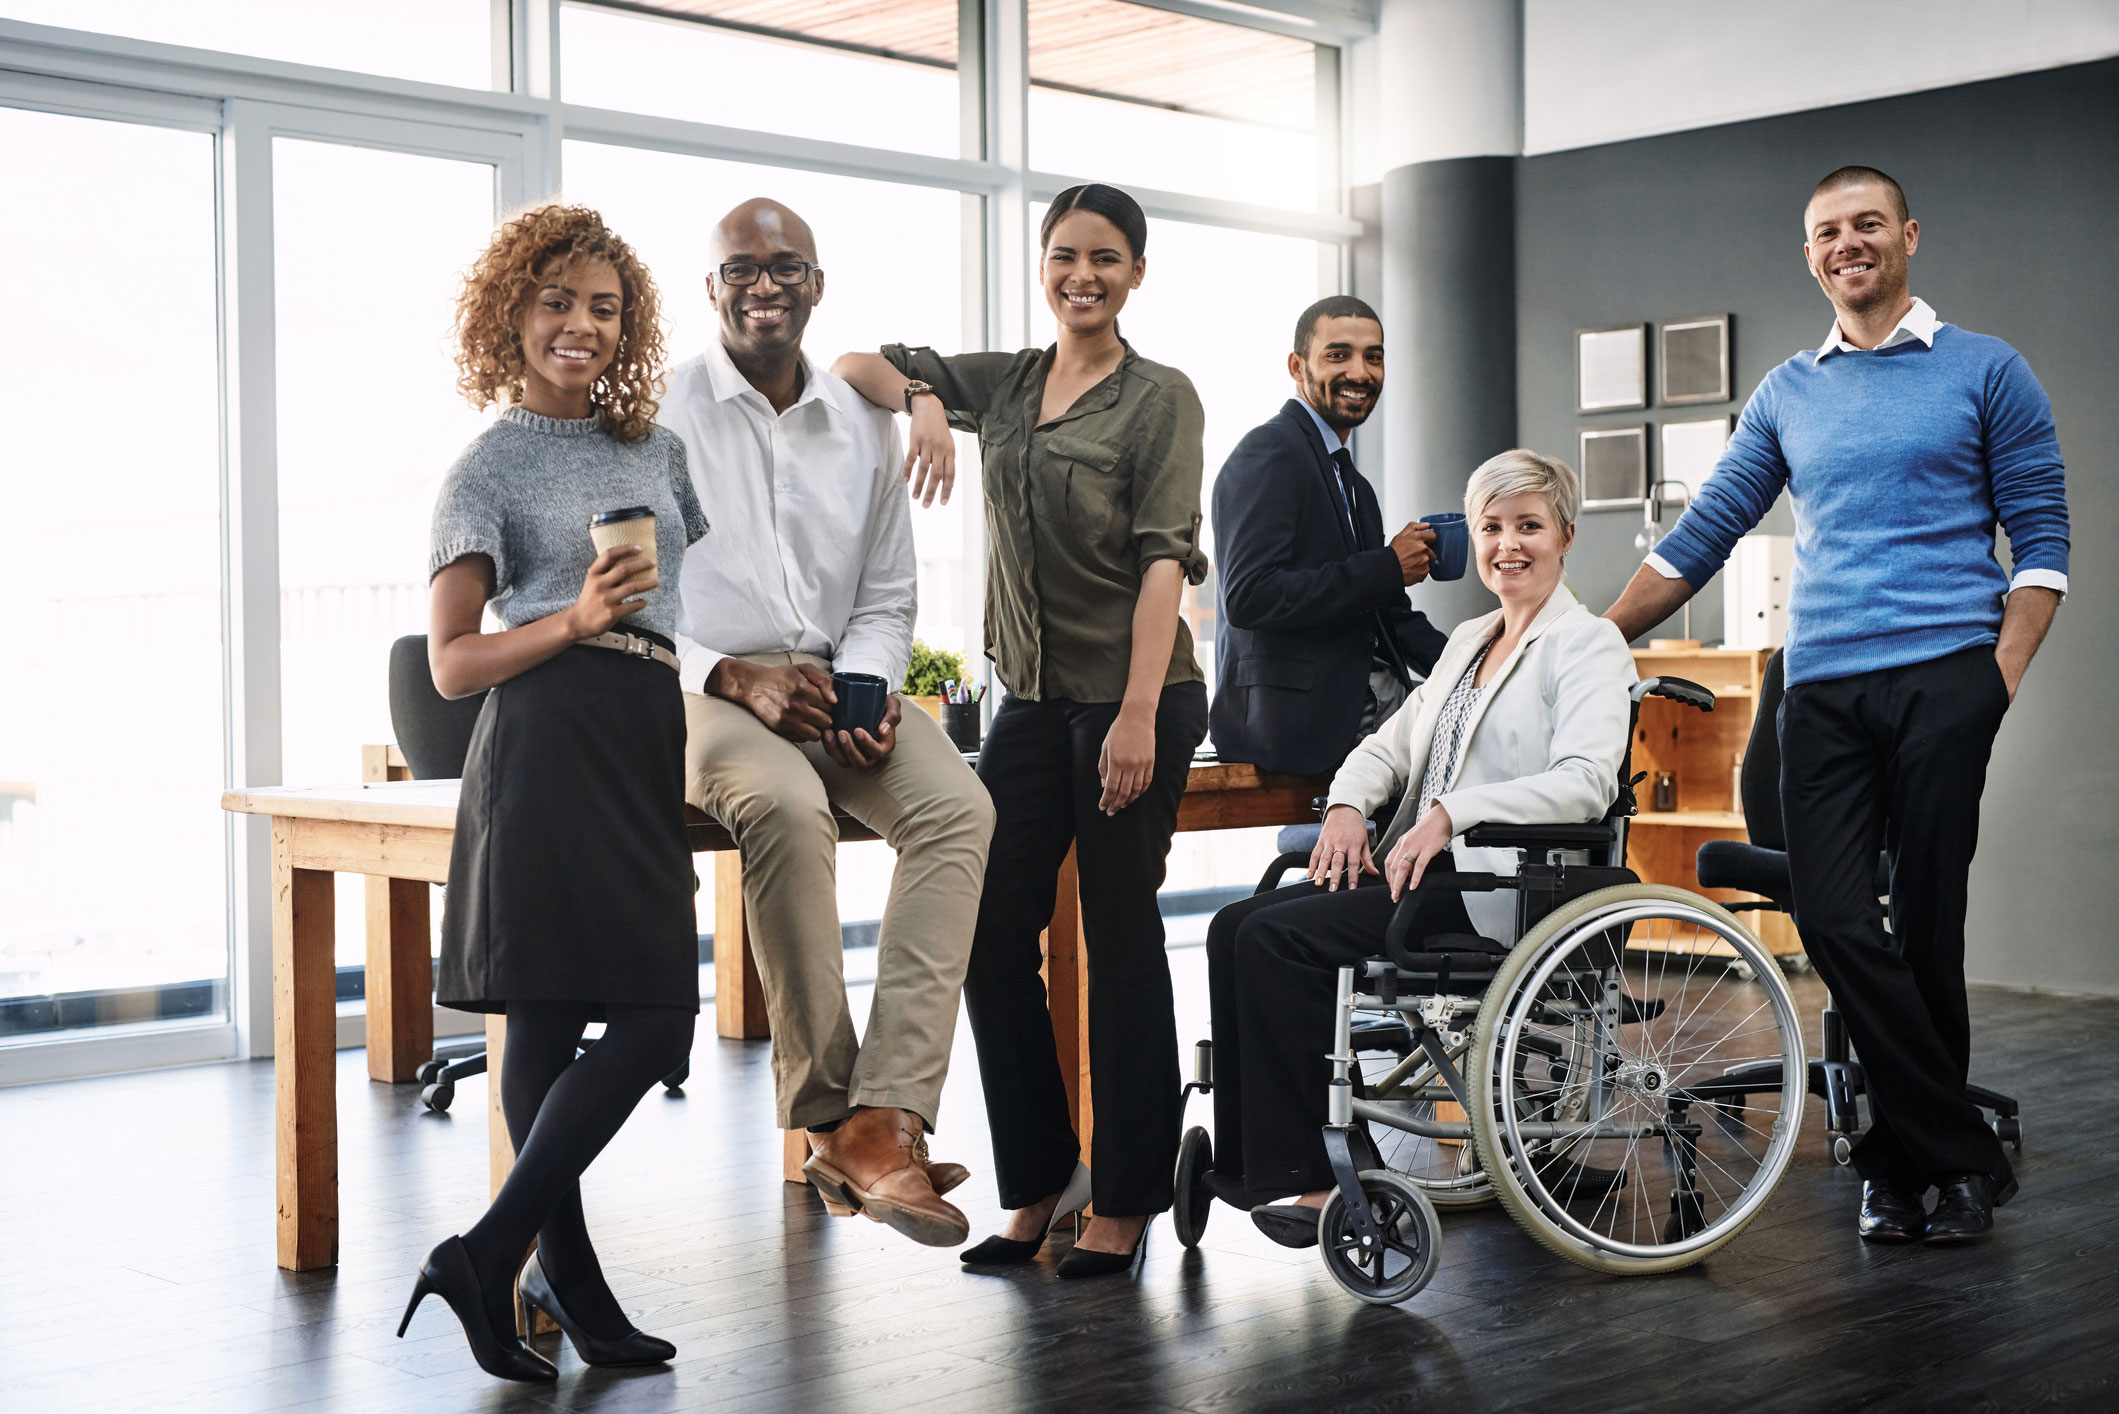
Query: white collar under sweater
{"points": [[1920, 323]]}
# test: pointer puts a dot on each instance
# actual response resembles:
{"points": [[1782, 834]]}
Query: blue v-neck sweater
{"points": [[1898, 463]]}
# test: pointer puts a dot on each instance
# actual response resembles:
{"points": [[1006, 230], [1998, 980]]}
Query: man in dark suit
{"points": [[1318, 641]]}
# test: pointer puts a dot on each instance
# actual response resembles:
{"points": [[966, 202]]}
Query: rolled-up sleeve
{"points": [[1166, 477], [470, 518], [966, 383]]}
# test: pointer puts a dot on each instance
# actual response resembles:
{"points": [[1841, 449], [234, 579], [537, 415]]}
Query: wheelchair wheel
{"points": [[1387, 1274], [1447, 1170], [1193, 1204], [1633, 1154]]}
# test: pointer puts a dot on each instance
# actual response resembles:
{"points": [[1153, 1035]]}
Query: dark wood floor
{"points": [[136, 1273]]}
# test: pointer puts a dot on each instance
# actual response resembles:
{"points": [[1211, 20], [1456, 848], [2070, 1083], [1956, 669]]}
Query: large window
{"points": [[113, 873], [1135, 95], [441, 41], [881, 75], [369, 421]]}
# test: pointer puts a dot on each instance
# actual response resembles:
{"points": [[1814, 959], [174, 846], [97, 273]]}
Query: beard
{"points": [[1341, 421]]}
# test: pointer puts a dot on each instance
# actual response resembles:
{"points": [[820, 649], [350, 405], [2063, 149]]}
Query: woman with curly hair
{"points": [[570, 883]]}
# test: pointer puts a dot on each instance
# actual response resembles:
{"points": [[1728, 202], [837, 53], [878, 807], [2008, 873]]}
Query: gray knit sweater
{"points": [[523, 492]]}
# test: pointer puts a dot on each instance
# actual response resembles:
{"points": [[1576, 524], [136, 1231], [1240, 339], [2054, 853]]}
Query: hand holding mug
{"points": [[1415, 548]]}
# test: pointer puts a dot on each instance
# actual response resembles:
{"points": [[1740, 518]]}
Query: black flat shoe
{"points": [[1289, 1224], [635, 1347], [448, 1272], [1966, 1207], [1888, 1215], [1081, 1262]]}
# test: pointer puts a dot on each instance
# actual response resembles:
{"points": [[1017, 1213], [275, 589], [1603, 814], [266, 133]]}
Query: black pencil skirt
{"points": [[570, 878]]}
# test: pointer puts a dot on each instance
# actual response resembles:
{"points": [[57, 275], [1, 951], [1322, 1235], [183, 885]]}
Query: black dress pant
{"points": [[1273, 965], [1039, 763], [1895, 760]]}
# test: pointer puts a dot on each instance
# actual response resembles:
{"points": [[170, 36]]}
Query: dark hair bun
{"points": [[1108, 202]]}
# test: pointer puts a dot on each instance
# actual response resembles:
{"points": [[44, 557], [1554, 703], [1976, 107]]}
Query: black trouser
{"points": [[1895, 760], [1039, 763], [1273, 965]]}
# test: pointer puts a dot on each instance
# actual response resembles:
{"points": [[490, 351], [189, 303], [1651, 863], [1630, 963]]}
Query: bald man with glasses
{"points": [[810, 570]]}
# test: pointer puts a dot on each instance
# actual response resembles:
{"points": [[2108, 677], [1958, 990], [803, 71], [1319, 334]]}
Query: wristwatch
{"points": [[913, 389]]}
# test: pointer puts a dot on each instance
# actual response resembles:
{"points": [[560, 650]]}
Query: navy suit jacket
{"points": [[1301, 606]]}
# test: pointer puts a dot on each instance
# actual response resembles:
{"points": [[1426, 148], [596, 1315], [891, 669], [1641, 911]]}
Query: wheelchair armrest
{"points": [[1466, 883], [1583, 836]]}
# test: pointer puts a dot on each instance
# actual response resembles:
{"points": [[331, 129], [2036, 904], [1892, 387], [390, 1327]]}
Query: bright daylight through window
{"points": [[110, 592]]}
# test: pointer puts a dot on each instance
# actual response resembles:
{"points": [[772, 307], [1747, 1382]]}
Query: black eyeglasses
{"points": [[784, 272]]}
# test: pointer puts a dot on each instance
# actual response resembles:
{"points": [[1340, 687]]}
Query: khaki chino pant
{"points": [[775, 797]]}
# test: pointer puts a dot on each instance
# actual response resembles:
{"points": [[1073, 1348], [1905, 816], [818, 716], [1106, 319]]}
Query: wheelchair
{"points": [[1627, 1081]]}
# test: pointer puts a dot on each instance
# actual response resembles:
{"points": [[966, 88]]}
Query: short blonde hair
{"points": [[1521, 472]]}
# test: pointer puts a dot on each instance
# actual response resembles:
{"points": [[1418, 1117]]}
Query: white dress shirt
{"points": [[1920, 322], [812, 549]]}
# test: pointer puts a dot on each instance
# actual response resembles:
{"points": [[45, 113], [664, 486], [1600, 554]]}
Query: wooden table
{"points": [[398, 833]]}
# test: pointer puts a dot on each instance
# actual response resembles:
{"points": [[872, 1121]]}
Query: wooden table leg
{"points": [[500, 1150], [794, 1152], [400, 979], [1067, 997], [305, 1059], [739, 997]]}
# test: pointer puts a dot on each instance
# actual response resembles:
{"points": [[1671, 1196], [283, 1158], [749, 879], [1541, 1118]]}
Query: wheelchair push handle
{"points": [[1677, 690]]}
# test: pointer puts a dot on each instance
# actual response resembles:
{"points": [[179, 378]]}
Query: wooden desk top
{"points": [[1219, 796]]}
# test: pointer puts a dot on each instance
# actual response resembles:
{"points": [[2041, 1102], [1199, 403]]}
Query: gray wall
{"points": [[2016, 186]]}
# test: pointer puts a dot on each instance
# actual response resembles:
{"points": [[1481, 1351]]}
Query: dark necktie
{"points": [[1385, 645], [1343, 460]]}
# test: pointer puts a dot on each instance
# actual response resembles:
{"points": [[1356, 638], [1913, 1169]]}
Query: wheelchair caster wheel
{"points": [[2009, 1130], [1410, 1250], [1842, 1150], [1193, 1204], [674, 1081], [428, 1072], [437, 1096]]}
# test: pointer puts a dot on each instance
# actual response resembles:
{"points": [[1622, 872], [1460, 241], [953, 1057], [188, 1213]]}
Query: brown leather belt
{"points": [[633, 645]]}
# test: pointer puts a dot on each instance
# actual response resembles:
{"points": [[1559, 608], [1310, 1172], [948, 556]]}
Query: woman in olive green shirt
{"points": [[1090, 460]]}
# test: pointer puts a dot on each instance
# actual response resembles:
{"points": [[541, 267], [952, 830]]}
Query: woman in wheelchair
{"points": [[1523, 721]]}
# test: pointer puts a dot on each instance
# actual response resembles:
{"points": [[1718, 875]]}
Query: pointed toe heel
{"points": [[449, 1273], [635, 1347], [1011, 1252], [1078, 1263]]}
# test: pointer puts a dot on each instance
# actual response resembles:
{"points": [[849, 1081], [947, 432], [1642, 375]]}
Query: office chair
{"points": [[434, 734], [1760, 866]]}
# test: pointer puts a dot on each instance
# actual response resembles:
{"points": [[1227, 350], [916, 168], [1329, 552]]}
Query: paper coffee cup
{"points": [[634, 525]]}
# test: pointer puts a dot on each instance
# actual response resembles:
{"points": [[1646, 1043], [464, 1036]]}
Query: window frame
{"points": [[518, 126]]}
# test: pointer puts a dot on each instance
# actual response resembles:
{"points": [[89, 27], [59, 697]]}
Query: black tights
{"points": [[561, 1111]]}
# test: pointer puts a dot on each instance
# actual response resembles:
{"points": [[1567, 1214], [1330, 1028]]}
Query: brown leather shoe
{"points": [[944, 1175], [870, 1164]]}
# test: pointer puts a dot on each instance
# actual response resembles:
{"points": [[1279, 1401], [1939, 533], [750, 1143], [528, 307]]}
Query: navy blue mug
{"points": [[1453, 543], [862, 700]]}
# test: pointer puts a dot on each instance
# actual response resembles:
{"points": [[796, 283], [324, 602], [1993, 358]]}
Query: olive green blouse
{"points": [[1076, 510]]}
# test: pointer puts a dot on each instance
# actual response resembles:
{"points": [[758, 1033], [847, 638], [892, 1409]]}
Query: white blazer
{"points": [[1543, 745]]}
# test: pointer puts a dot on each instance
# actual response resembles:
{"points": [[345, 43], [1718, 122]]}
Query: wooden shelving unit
{"points": [[1701, 749]]}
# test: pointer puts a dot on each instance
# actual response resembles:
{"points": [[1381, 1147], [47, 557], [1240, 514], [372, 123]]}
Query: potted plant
{"points": [[925, 674]]}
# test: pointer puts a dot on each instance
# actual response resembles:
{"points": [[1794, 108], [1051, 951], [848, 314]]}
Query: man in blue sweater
{"points": [[1900, 441]]}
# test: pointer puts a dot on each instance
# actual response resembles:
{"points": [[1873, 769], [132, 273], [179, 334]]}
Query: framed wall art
{"points": [[1614, 467], [1689, 447], [1693, 358], [1611, 368]]}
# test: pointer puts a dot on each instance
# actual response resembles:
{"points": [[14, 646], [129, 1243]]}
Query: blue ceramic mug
{"points": [[1453, 543], [862, 700]]}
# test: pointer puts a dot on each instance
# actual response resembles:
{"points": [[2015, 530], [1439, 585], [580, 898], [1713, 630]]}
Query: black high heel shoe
{"points": [[448, 1272], [635, 1347], [998, 1251], [1083, 1263]]}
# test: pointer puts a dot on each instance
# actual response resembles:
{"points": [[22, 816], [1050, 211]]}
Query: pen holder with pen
{"points": [[962, 723]]}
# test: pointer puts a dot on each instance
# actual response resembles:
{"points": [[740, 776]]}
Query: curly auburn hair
{"points": [[497, 289]]}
